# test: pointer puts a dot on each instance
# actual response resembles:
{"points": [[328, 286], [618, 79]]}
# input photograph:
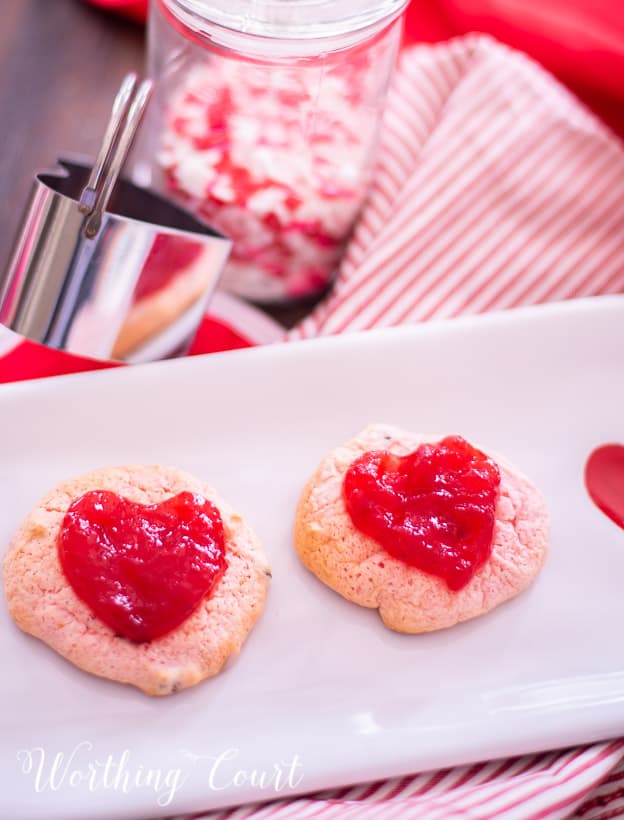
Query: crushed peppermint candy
{"points": [[278, 159]]}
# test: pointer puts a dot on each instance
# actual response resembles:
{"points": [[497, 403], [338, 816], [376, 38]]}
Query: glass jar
{"points": [[265, 122]]}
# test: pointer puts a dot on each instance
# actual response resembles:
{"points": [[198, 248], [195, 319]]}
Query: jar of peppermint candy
{"points": [[265, 122]]}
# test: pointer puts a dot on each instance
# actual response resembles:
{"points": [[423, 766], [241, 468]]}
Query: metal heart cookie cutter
{"points": [[103, 268]]}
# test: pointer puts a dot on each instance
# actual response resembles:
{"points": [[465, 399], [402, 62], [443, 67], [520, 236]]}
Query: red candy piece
{"points": [[432, 509], [142, 569]]}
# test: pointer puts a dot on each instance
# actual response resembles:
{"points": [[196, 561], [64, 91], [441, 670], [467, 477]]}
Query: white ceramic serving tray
{"points": [[322, 693]]}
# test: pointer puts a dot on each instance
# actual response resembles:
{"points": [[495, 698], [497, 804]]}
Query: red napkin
{"points": [[134, 9], [494, 189]]}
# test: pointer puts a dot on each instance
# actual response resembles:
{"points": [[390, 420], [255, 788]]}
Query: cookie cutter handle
{"points": [[126, 114]]}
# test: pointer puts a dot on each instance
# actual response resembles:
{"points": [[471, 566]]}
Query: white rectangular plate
{"points": [[320, 681]]}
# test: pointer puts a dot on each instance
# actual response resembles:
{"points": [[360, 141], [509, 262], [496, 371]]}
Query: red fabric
{"points": [[134, 9], [32, 361], [214, 336], [580, 41]]}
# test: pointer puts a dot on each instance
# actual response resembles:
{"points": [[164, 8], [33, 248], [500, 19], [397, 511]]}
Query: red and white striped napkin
{"points": [[495, 189]]}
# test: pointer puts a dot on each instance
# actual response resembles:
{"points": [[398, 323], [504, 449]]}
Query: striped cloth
{"points": [[495, 188]]}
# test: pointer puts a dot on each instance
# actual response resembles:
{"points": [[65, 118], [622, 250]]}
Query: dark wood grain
{"points": [[61, 63]]}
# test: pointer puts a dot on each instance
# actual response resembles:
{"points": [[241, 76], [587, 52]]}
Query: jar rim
{"points": [[289, 19]]}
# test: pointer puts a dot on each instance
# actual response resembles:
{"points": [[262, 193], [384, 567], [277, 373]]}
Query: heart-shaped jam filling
{"points": [[142, 569], [433, 509]]}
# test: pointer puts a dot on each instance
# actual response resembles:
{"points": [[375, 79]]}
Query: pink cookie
{"points": [[43, 603], [408, 599]]}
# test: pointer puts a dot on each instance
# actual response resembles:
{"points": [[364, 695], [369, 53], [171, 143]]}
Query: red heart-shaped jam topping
{"points": [[142, 569], [433, 509]]}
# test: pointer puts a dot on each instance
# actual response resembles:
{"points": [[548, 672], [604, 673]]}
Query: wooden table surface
{"points": [[61, 63]]}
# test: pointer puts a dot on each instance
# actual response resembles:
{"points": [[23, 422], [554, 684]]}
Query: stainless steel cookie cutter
{"points": [[103, 268]]}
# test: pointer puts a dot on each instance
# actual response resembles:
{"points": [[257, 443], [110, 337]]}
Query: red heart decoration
{"points": [[604, 479], [433, 509], [142, 569]]}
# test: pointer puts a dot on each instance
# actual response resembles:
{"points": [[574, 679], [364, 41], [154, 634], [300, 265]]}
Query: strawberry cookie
{"points": [[140, 574], [431, 531]]}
